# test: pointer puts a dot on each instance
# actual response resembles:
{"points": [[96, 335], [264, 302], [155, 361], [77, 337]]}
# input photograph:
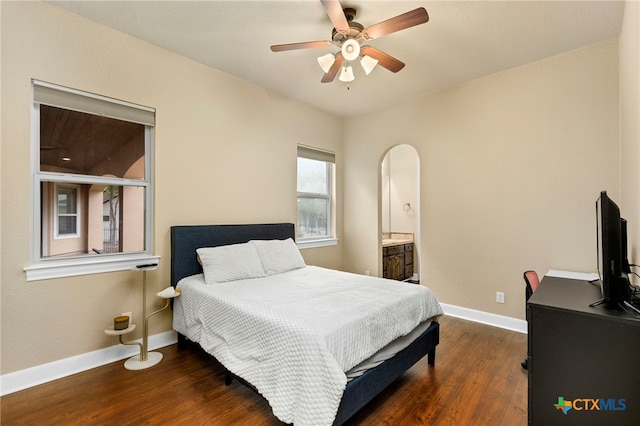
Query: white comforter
{"points": [[292, 335]]}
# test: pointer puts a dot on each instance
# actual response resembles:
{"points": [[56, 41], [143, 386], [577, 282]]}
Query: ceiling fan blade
{"points": [[384, 60], [301, 45], [336, 15], [333, 71], [406, 20]]}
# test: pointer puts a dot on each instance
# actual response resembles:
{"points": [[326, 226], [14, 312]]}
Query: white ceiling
{"points": [[462, 41]]}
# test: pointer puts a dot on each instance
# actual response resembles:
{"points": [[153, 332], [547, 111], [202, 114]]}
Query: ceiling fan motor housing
{"points": [[355, 28]]}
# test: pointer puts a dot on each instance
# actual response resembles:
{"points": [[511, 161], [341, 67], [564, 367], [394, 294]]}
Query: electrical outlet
{"points": [[128, 314], [500, 297]]}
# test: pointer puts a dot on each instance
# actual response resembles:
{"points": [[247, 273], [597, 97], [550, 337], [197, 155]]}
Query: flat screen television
{"points": [[613, 265]]}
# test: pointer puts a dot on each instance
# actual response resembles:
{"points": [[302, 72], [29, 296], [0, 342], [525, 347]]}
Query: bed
{"points": [[187, 271]]}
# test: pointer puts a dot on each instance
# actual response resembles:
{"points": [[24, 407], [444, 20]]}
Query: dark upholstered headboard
{"points": [[186, 239]]}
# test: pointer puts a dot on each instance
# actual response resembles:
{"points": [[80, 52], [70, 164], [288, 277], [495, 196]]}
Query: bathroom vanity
{"points": [[397, 255]]}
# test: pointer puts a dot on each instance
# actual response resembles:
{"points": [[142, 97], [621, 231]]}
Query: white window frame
{"points": [[72, 99], [329, 158], [56, 234]]}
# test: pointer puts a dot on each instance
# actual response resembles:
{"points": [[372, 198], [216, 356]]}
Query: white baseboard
{"points": [[39, 374], [500, 321]]}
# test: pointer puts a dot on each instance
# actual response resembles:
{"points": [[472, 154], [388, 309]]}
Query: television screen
{"points": [[613, 265]]}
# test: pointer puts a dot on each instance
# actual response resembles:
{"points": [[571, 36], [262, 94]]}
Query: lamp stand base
{"points": [[134, 362]]}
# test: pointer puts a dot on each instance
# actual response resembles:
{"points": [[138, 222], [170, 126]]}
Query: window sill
{"points": [[324, 242], [61, 268]]}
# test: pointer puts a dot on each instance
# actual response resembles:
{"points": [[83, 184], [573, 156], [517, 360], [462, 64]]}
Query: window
{"points": [[315, 196], [92, 183], [67, 212]]}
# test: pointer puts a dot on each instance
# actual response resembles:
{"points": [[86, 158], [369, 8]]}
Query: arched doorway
{"points": [[400, 213]]}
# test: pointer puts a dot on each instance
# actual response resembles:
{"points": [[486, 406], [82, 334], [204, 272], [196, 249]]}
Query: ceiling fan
{"points": [[349, 36]]}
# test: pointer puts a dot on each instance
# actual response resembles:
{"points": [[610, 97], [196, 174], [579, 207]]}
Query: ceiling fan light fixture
{"points": [[326, 61], [368, 64], [346, 75], [350, 50]]}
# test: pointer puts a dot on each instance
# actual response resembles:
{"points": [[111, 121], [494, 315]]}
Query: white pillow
{"points": [[230, 263], [279, 256]]}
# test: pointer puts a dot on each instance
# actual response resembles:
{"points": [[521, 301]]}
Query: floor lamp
{"points": [[147, 359]]}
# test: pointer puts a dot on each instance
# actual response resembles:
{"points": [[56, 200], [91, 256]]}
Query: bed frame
{"points": [[359, 391]]}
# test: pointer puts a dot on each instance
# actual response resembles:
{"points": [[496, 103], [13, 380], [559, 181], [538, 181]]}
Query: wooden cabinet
{"points": [[583, 361], [397, 261], [408, 261]]}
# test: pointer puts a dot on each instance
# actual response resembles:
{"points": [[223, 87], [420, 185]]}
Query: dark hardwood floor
{"points": [[477, 380]]}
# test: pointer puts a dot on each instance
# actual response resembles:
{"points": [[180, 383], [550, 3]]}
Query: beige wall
{"points": [[225, 152], [630, 124], [511, 166]]}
